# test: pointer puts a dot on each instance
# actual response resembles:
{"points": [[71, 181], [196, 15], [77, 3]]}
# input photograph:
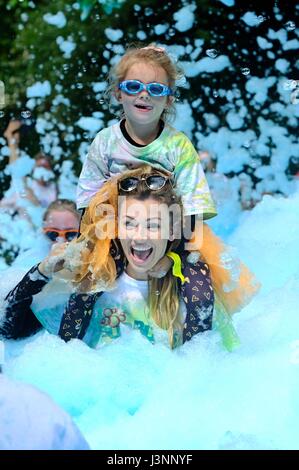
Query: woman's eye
{"points": [[153, 226], [130, 224]]}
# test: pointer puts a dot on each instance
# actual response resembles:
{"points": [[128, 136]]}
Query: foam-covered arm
{"points": [[18, 320]]}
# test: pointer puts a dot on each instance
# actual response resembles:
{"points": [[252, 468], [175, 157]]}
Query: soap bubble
{"points": [[290, 25], [245, 70], [212, 53]]}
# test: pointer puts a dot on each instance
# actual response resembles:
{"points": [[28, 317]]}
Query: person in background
{"points": [[12, 135], [29, 195], [40, 187], [60, 225]]}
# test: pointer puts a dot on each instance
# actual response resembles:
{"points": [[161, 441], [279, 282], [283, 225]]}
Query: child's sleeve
{"points": [[94, 173], [191, 183]]}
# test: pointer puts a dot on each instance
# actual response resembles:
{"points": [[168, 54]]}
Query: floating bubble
{"points": [[261, 18], [215, 93], [245, 70], [212, 53], [102, 101], [290, 25], [157, 292], [171, 32], [1, 114], [148, 11], [26, 114]]}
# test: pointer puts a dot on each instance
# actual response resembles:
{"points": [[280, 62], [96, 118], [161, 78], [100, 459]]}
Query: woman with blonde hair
{"points": [[144, 225], [136, 217]]}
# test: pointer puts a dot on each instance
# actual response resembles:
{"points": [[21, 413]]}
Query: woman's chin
{"points": [[140, 266]]}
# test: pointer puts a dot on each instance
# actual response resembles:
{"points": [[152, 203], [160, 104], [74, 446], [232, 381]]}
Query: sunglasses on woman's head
{"points": [[153, 182], [133, 87], [53, 234]]}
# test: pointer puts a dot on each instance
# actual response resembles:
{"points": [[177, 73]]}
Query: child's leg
{"points": [[79, 309], [198, 296]]}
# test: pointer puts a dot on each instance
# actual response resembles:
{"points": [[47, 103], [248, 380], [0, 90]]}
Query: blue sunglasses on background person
{"points": [[133, 87]]}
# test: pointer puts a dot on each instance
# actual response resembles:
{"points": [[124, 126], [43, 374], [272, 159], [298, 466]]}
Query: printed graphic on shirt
{"points": [[109, 322]]}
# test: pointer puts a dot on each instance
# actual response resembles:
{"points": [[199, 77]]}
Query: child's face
{"points": [[143, 109]]}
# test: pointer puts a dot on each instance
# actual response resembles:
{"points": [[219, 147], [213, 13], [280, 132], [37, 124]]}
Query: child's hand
{"points": [[54, 261], [161, 268]]}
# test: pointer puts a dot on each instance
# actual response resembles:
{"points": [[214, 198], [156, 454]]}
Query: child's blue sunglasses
{"points": [[133, 87]]}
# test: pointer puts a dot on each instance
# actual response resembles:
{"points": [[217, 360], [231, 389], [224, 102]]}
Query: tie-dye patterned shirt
{"points": [[111, 154]]}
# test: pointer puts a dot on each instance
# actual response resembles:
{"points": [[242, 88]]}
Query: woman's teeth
{"points": [[141, 253]]}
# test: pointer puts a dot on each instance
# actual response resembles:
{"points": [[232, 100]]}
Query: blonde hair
{"points": [[150, 54], [163, 295], [62, 205], [96, 270], [164, 303]]}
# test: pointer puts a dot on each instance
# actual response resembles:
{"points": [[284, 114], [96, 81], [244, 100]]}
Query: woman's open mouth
{"points": [[141, 254]]}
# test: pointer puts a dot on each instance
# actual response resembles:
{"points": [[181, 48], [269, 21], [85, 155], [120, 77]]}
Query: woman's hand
{"points": [[161, 268], [54, 261], [29, 194], [11, 134]]}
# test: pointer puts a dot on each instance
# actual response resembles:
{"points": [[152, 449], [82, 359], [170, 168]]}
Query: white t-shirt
{"points": [[122, 310], [115, 313]]}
